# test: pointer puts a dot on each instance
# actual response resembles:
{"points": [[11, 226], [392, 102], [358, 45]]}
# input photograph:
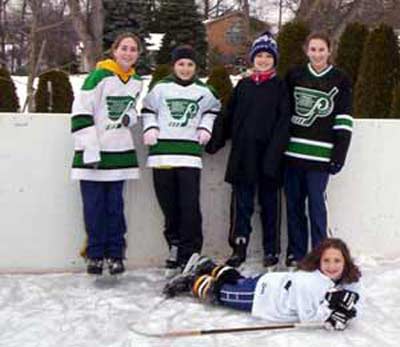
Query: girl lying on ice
{"points": [[324, 289]]}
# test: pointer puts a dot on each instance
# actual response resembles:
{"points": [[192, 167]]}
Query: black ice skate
{"points": [[239, 252], [115, 266], [94, 266], [172, 267], [196, 266], [270, 262]]}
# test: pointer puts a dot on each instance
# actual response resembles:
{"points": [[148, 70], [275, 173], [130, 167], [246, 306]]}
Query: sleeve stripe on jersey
{"points": [[343, 127], [151, 127], [343, 122], [204, 128], [147, 110], [81, 121], [344, 116], [217, 113]]}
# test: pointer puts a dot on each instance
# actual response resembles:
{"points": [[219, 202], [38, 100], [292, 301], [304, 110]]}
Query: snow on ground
{"points": [[73, 310], [77, 82]]}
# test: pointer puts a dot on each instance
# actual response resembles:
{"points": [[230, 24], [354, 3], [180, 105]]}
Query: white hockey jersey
{"points": [[293, 296], [107, 95], [178, 112]]}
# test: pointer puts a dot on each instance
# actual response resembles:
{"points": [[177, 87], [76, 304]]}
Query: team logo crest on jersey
{"points": [[312, 104], [182, 111], [117, 106]]}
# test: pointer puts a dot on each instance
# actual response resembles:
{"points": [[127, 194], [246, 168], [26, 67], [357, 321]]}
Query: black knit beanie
{"points": [[183, 52]]}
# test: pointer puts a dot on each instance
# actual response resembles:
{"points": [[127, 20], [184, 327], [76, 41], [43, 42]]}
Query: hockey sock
{"points": [[203, 288], [225, 274]]}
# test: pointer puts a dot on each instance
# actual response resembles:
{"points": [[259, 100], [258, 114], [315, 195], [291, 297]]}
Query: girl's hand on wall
{"points": [[203, 136], [150, 137]]}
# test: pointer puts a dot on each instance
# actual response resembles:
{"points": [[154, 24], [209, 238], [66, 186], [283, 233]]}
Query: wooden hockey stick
{"points": [[198, 332]]}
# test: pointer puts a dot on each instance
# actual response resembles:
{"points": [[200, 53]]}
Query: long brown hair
{"points": [[123, 36], [311, 262]]}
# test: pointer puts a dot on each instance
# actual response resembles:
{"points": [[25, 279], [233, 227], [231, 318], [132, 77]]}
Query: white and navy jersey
{"points": [[321, 122], [178, 111], [96, 125], [293, 296]]}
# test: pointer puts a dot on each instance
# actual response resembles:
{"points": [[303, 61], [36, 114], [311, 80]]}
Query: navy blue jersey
{"points": [[321, 122]]}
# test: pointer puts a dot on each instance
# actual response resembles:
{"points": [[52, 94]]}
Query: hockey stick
{"points": [[198, 332]]}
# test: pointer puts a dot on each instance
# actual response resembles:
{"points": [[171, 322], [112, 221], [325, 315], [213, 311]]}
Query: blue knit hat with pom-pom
{"points": [[264, 43]]}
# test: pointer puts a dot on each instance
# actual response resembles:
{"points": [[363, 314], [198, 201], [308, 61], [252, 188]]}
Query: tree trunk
{"points": [[35, 8], [90, 31]]}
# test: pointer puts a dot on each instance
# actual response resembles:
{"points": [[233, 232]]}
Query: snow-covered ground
{"points": [[74, 310], [77, 82]]}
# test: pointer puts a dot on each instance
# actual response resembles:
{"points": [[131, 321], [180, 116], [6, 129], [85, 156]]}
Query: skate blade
{"points": [[191, 262], [170, 273]]}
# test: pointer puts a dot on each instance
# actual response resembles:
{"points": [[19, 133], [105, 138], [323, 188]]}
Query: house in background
{"points": [[226, 37]]}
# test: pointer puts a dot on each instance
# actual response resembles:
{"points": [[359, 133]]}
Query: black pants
{"points": [[178, 193], [242, 208]]}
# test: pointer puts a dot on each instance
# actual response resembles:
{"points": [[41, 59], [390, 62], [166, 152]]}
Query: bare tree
{"points": [[35, 6], [334, 15], [88, 24], [215, 8]]}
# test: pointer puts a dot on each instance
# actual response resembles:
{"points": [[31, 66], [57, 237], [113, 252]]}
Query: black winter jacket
{"points": [[257, 120]]}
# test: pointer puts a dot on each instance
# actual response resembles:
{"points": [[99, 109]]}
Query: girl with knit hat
{"points": [[104, 151], [257, 121], [178, 117]]}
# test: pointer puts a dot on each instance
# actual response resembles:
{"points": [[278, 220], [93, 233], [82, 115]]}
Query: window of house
{"points": [[235, 34]]}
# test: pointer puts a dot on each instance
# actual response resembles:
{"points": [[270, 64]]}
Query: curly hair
{"points": [[311, 262]]}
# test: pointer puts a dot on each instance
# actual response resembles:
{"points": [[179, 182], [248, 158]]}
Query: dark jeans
{"points": [[301, 184], [178, 193], [103, 211], [242, 208]]}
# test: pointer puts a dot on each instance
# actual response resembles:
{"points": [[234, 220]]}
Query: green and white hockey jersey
{"points": [[107, 95], [321, 123], [178, 111]]}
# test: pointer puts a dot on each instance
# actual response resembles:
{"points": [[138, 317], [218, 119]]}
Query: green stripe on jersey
{"points": [[309, 149], [182, 147], [81, 121], [95, 77], [136, 77], [344, 121], [109, 160]]}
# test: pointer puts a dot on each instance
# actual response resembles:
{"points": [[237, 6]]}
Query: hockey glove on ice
{"points": [[339, 318], [344, 299], [334, 168]]}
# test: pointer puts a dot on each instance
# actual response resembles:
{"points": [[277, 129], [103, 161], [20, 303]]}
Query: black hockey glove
{"points": [[344, 299], [334, 168], [339, 318]]}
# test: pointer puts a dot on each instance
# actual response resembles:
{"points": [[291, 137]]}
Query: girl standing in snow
{"points": [[104, 151], [178, 116], [324, 290], [321, 128]]}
